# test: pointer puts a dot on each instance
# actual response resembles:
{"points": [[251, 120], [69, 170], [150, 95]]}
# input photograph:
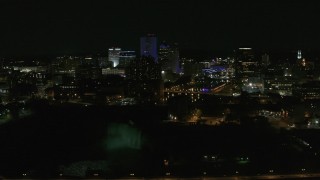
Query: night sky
{"points": [[30, 27]]}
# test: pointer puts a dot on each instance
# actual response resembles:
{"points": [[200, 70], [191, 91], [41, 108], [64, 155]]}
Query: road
{"points": [[224, 89], [275, 176]]}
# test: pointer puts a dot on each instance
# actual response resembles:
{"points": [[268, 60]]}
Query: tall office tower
{"points": [[143, 68], [114, 54], [143, 77], [299, 55], [125, 58], [169, 57], [265, 61], [164, 52], [90, 60], [246, 63], [302, 61], [148, 46], [248, 71]]}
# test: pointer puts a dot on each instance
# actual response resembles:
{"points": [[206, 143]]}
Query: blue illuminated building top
{"points": [[148, 46]]}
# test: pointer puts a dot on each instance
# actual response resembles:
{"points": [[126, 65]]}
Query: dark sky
{"points": [[30, 27]]}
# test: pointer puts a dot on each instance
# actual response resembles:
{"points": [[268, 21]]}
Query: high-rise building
{"points": [[248, 71], [126, 57], [246, 63], [265, 61], [169, 57], [148, 46], [300, 60], [143, 77], [114, 54], [143, 68], [299, 55], [90, 60]]}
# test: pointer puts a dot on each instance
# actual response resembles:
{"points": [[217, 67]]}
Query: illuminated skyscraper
{"points": [[114, 56], [299, 55], [300, 60], [148, 46]]}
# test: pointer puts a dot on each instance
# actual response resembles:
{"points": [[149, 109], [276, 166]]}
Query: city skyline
{"points": [[159, 89], [41, 28]]}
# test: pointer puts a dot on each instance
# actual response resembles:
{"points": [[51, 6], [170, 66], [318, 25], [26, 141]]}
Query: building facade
{"points": [[148, 46], [114, 56]]}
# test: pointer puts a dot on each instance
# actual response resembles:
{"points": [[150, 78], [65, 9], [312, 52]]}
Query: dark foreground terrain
{"points": [[80, 141]]}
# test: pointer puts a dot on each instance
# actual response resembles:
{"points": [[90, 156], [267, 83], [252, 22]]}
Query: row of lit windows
{"points": [[281, 84], [68, 87]]}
